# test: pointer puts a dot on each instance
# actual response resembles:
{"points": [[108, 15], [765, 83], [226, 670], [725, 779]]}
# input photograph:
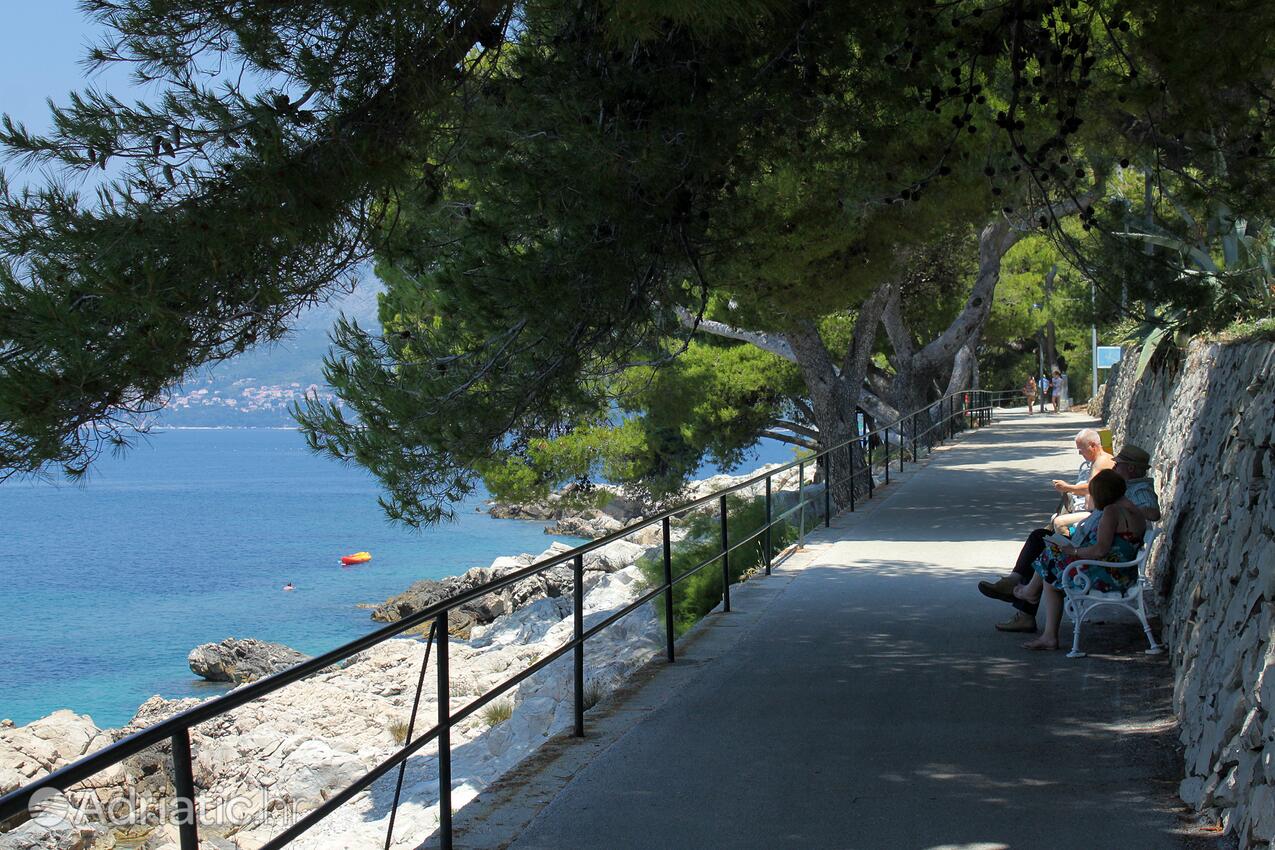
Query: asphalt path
{"points": [[869, 703]]}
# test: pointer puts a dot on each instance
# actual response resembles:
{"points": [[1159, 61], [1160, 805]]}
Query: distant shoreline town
{"points": [[244, 403]]}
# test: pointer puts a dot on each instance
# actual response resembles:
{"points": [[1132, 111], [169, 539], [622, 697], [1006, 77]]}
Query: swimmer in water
{"points": [[289, 586]]}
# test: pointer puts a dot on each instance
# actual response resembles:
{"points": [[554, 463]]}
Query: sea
{"points": [[189, 538]]}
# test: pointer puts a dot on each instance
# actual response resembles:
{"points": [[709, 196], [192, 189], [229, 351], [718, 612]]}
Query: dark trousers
{"points": [[1032, 547]]}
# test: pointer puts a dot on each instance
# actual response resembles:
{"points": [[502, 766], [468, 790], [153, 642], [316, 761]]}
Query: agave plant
{"points": [[1223, 276]]}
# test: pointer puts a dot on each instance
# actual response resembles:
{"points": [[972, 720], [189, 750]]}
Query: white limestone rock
{"points": [[44, 745], [33, 836], [524, 626]]}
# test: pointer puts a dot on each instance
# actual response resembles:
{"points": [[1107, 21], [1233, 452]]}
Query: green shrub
{"points": [[696, 595]]}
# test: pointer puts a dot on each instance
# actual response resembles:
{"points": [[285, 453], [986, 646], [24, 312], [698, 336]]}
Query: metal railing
{"points": [[939, 420]]}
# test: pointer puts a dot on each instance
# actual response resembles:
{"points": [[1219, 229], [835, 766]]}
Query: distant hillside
{"points": [[257, 388]]}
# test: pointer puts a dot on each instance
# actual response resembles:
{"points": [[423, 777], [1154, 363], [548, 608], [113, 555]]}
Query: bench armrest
{"points": [[1111, 565]]}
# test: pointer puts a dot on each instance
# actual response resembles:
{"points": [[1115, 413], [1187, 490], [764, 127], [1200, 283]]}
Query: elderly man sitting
{"points": [[1076, 496], [1131, 464]]}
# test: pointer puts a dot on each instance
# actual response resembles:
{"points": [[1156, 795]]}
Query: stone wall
{"points": [[1208, 418]]}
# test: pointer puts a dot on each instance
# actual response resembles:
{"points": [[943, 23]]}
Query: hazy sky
{"points": [[42, 45]]}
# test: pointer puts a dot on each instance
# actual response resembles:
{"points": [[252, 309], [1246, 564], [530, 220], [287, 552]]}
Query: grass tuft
{"points": [[497, 713], [593, 694]]}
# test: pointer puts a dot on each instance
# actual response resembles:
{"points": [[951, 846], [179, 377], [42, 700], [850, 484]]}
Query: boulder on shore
{"points": [[592, 513], [552, 583], [242, 660], [591, 526], [426, 592]]}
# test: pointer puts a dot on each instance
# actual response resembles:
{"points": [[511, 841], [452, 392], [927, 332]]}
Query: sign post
{"points": [[1093, 329]]}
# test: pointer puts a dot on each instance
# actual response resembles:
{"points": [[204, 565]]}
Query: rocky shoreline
{"points": [[262, 765], [571, 519]]}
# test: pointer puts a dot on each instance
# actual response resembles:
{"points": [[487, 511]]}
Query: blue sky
{"points": [[42, 46], [42, 50]]}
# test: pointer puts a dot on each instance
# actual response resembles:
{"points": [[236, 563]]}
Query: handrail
{"points": [[176, 728]]}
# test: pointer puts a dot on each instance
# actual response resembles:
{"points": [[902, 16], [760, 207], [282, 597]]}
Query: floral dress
{"points": [[1053, 562]]}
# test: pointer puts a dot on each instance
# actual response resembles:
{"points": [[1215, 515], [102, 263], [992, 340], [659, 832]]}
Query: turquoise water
{"points": [[188, 539]]}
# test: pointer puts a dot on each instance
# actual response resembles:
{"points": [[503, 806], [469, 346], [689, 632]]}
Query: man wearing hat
{"points": [[1131, 464]]}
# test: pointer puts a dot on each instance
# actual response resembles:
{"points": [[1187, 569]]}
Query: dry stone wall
{"points": [[1208, 418]]}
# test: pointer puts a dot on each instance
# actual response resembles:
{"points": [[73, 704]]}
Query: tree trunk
{"points": [[917, 370], [834, 404], [963, 367]]}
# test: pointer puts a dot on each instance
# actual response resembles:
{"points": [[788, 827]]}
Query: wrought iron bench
{"points": [[1082, 598]]}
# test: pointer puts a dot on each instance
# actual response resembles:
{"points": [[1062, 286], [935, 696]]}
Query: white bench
{"points": [[1081, 598]]}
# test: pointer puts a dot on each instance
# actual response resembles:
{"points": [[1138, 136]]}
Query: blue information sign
{"points": [[1108, 356]]}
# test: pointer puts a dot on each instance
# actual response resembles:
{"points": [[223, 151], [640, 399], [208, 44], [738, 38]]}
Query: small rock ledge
{"points": [[241, 660]]}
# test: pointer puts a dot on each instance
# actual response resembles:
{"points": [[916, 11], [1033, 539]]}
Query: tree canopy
{"points": [[552, 189]]}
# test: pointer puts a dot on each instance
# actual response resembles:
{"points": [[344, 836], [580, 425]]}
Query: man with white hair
{"points": [[1076, 496], [1075, 511]]}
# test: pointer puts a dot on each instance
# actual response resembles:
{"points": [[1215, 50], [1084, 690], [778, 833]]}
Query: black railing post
{"points": [[868, 466], [886, 443], [725, 558], [902, 438], [577, 616], [767, 536], [410, 736], [827, 490], [854, 474], [444, 738], [668, 583], [914, 457], [184, 792]]}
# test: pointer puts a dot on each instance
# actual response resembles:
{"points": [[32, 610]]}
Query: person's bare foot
{"points": [[1041, 642], [1024, 593]]}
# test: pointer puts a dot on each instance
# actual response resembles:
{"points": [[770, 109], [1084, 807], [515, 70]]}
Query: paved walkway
{"points": [[861, 699]]}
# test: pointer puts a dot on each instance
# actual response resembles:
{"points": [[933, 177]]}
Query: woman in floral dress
{"points": [[1116, 536]]}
